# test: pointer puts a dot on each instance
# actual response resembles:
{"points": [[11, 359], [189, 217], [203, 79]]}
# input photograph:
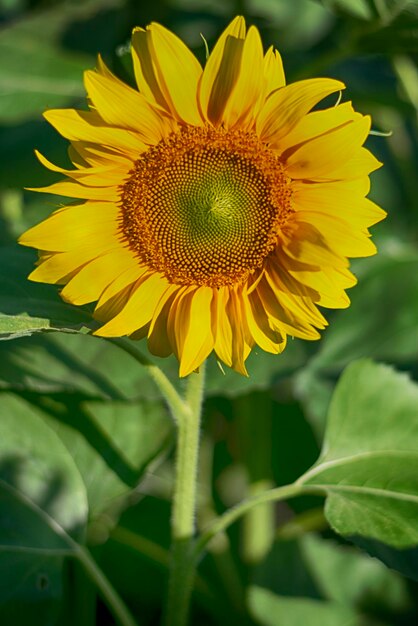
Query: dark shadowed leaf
{"points": [[27, 307], [113, 445], [319, 569], [43, 511]]}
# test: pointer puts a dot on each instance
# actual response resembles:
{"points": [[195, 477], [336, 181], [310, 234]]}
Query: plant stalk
{"points": [[183, 521]]}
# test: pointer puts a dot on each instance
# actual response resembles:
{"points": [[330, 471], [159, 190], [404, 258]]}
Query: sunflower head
{"points": [[215, 211]]}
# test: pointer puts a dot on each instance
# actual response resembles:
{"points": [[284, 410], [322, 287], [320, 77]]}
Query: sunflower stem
{"points": [[183, 520]]}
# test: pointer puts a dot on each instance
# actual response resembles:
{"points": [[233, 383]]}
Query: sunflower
{"points": [[215, 211]]}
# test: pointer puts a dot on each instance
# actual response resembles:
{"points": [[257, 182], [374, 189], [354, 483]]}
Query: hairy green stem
{"points": [[183, 563], [230, 516]]}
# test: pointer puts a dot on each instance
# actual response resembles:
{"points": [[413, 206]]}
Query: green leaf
{"points": [[272, 610], [27, 307], [112, 444], [369, 463], [43, 511]]}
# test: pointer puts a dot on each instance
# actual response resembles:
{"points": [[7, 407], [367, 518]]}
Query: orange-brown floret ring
{"points": [[205, 206]]}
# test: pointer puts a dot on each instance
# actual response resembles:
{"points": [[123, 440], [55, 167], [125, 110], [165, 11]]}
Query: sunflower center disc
{"points": [[205, 206]]}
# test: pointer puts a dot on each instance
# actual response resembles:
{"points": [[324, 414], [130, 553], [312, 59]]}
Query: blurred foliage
{"points": [[86, 447]]}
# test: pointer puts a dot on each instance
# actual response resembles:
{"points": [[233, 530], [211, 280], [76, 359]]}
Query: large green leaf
{"points": [[112, 445], [27, 307], [369, 463], [43, 512], [31, 588], [61, 362]]}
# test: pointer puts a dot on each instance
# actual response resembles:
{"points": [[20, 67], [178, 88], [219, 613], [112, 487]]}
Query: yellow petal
{"points": [[195, 341], [327, 282], [242, 341], [90, 176], [221, 71], [258, 323], [340, 235], [300, 305], [139, 309], [158, 340], [273, 77], [317, 123], [281, 275], [287, 106], [223, 331], [120, 105], [361, 163], [286, 320], [59, 268], [144, 68], [332, 294], [75, 226], [273, 70], [116, 294], [178, 73], [343, 199], [83, 153], [319, 157], [303, 242], [175, 324], [88, 126], [351, 187], [114, 305], [77, 190], [89, 283], [249, 85]]}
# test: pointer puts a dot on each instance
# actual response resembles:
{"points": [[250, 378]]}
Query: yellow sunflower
{"points": [[215, 211]]}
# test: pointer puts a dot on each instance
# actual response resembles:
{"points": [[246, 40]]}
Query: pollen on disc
{"points": [[205, 206]]}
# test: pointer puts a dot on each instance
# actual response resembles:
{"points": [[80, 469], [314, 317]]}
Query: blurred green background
{"points": [[81, 397]]}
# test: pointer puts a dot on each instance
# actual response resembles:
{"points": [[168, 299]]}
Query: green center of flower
{"points": [[205, 206]]}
